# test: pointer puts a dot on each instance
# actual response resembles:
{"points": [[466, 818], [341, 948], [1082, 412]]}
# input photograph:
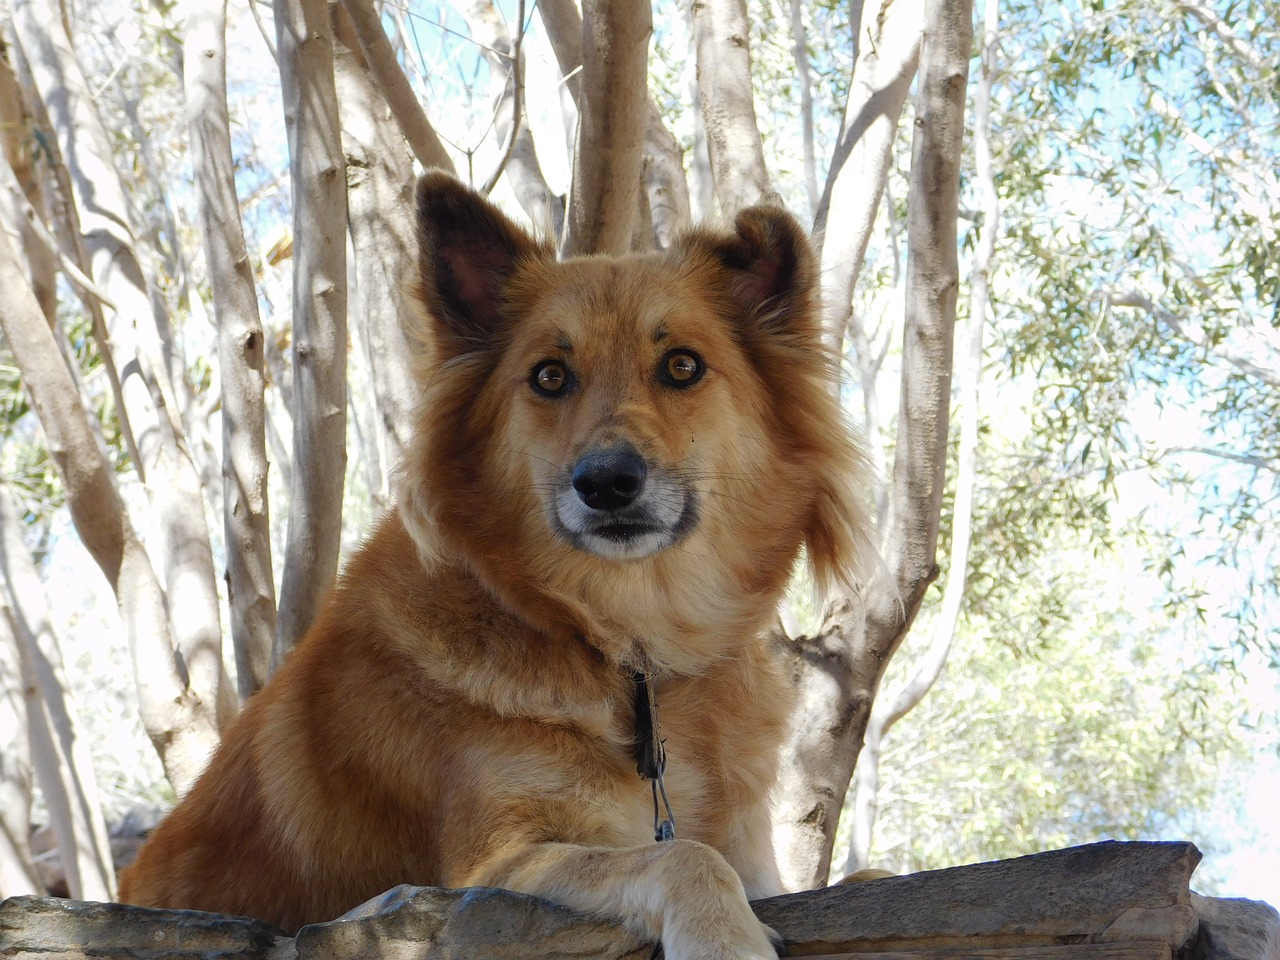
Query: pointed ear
{"points": [[769, 267], [468, 249]]}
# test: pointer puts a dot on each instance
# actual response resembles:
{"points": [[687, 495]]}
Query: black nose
{"points": [[609, 479]]}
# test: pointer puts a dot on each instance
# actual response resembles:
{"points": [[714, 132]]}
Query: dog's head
{"points": [[635, 447]]}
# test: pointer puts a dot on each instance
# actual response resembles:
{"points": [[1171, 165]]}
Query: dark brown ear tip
{"points": [[439, 192], [772, 219]]}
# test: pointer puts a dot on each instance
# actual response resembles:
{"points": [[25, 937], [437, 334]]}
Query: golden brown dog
{"points": [[617, 464]]}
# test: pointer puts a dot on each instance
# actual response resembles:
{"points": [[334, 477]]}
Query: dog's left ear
{"points": [[769, 267], [468, 249]]}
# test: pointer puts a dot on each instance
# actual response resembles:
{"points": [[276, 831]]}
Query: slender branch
{"points": [[517, 104], [1258, 463], [380, 57], [1212, 22], [1132, 298], [800, 49]]}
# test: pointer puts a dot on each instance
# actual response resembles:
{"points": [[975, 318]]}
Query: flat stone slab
{"points": [[415, 923], [1061, 897], [1107, 901], [44, 927], [1236, 929]]}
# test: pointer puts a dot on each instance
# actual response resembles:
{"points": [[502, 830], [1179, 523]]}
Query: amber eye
{"points": [[682, 368], [551, 378]]}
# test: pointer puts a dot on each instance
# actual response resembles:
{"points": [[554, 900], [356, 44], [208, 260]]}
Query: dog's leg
{"points": [[748, 846], [681, 892]]}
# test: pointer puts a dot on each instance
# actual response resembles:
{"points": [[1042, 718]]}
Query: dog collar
{"points": [[651, 756]]}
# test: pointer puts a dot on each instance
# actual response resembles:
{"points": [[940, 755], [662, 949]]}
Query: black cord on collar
{"points": [[651, 756]]}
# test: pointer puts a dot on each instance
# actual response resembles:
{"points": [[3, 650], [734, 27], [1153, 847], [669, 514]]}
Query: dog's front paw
{"points": [[753, 941]]}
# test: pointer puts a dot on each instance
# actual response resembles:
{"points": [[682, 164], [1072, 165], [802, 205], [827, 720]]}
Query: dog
{"points": [[617, 464]]}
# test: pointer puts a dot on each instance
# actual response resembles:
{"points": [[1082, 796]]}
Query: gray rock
{"points": [[423, 923], [42, 927], [1065, 896], [1236, 929], [1118, 901]]}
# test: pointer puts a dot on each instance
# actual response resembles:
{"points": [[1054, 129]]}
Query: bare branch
{"points": [[60, 752], [889, 48], [800, 50], [1214, 24], [664, 179], [173, 485], [182, 727], [381, 61], [563, 23], [519, 158], [892, 706], [1132, 298], [380, 205], [840, 669], [516, 123], [17, 870]]}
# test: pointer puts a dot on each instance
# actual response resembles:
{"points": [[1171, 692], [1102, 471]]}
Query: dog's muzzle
{"points": [[613, 503]]}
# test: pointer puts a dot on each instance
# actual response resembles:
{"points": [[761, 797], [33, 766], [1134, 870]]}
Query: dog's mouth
{"points": [[613, 505]]}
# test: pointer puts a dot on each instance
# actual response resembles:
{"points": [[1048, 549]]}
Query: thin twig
{"points": [[517, 110]]}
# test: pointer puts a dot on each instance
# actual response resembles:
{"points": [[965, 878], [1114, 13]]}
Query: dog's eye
{"points": [[550, 378], [681, 368]]}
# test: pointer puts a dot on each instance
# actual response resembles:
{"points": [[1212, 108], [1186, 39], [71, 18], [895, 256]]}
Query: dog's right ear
{"points": [[468, 249]]}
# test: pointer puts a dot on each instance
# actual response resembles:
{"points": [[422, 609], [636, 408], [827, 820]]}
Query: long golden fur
{"points": [[462, 711]]}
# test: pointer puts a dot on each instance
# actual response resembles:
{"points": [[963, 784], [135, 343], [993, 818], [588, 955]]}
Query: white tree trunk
{"points": [[612, 101], [380, 208], [182, 726], [166, 467], [60, 751], [251, 591], [840, 670], [889, 709], [664, 183], [722, 34], [888, 54], [318, 174], [17, 870]]}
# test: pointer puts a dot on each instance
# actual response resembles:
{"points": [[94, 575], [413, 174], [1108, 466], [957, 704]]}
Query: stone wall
{"points": [[1109, 901]]}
